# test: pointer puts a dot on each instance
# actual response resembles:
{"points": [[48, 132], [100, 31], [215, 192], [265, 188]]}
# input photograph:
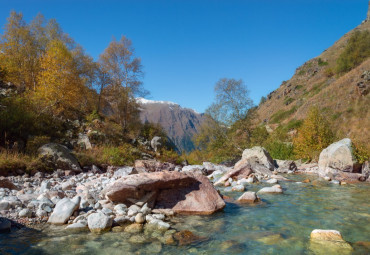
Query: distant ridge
{"points": [[181, 124]]}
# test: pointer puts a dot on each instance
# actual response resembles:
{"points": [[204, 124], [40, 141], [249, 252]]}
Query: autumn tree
{"points": [[313, 136], [125, 72], [19, 52], [60, 89]]}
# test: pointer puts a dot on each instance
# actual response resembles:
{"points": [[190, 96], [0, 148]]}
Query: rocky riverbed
{"points": [[258, 206]]}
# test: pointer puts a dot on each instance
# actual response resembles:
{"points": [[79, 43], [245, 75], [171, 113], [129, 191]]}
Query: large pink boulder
{"points": [[184, 193]]}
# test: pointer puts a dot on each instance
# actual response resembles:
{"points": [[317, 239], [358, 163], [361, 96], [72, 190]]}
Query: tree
{"points": [[60, 89], [19, 52], [313, 136], [125, 72], [232, 101]]}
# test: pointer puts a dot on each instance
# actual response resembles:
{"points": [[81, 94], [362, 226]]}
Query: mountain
{"points": [[180, 123], [343, 97]]}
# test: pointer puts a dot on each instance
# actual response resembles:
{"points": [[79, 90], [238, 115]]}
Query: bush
{"points": [[360, 151], [280, 150], [356, 51], [313, 136], [322, 63]]}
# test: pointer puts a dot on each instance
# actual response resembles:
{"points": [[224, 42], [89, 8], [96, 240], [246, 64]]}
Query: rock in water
{"points": [[248, 197], [261, 154], [187, 193], [59, 156], [274, 189], [64, 209], [99, 222], [338, 157], [328, 242]]}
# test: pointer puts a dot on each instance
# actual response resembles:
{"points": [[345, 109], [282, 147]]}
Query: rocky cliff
{"points": [[180, 123]]}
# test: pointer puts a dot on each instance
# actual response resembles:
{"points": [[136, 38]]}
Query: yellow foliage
{"points": [[313, 136], [60, 89]]}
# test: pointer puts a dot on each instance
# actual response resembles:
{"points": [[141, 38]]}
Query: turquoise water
{"points": [[280, 224]]}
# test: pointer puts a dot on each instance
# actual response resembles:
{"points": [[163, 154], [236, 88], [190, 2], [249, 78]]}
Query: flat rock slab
{"points": [[184, 193]]}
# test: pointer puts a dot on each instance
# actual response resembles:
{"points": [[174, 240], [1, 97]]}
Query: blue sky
{"points": [[186, 46]]}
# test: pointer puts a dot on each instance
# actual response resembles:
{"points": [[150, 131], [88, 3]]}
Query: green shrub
{"points": [[356, 51], [360, 151], [288, 100], [302, 72], [280, 150], [322, 63]]}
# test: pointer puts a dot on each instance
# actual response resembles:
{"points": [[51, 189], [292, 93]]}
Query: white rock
{"points": [[274, 189], [64, 209], [272, 181], [99, 222], [25, 213]]}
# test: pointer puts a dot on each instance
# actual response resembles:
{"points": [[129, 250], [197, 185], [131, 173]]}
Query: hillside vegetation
{"points": [[337, 82], [326, 99]]}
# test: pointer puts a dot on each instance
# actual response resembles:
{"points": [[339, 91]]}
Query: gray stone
{"points": [[45, 185], [124, 171], [239, 188], [59, 156], [274, 189], [4, 205], [155, 143], [338, 157], [64, 209], [261, 154], [25, 213], [99, 222], [248, 197]]}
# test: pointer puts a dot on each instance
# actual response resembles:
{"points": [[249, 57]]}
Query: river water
{"points": [[280, 224]]}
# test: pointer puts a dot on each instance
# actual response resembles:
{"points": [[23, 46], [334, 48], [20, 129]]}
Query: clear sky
{"points": [[186, 46]]}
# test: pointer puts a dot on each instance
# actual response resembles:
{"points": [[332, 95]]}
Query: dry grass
{"points": [[343, 106]]}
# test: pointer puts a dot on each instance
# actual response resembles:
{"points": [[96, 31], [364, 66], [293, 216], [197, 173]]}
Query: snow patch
{"points": [[141, 100]]}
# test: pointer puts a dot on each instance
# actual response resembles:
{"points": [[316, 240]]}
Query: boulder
{"points": [[248, 197], [5, 183], [64, 209], [99, 222], [59, 156], [285, 166], [262, 156], [185, 193], [274, 189], [328, 242], [155, 143], [338, 157], [84, 141]]}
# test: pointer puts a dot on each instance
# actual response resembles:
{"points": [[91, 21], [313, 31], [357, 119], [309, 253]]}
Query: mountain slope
{"points": [[345, 98], [179, 123]]}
